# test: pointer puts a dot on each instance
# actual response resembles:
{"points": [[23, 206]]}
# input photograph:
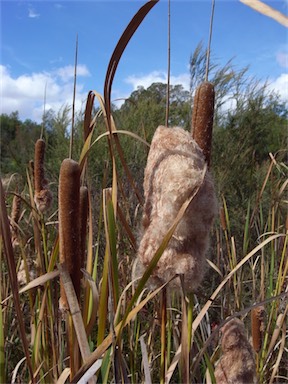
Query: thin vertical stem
{"points": [[209, 40], [74, 97], [163, 311], [44, 113], [184, 339], [168, 67]]}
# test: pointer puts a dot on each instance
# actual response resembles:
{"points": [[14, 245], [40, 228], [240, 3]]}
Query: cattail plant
{"points": [[69, 225], [43, 196], [237, 363], [202, 117], [257, 327], [15, 216], [175, 170]]}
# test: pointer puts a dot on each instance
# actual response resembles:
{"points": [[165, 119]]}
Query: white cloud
{"points": [[67, 73], [33, 14], [25, 93], [157, 77], [280, 85], [282, 59]]}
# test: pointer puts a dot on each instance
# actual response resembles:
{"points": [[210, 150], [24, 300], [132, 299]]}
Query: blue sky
{"points": [[38, 47]]}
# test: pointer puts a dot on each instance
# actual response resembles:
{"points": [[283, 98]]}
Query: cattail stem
{"points": [[209, 41], [202, 118], [168, 67], [69, 234], [163, 311], [44, 112], [74, 97]]}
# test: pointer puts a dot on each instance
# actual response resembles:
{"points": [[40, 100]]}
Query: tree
{"points": [[17, 143]]}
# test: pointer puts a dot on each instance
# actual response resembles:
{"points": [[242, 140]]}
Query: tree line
{"points": [[244, 134]]}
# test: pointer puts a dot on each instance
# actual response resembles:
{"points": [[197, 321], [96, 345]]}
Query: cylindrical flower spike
{"points": [[15, 216], [257, 327], [202, 118], [16, 206], [43, 196], [39, 179], [69, 224]]}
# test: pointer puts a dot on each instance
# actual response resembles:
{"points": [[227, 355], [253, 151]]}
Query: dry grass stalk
{"points": [[257, 327], [43, 196], [69, 225], [173, 172], [202, 118], [237, 363]]}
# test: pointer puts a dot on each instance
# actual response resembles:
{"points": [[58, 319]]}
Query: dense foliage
{"points": [[244, 135]]}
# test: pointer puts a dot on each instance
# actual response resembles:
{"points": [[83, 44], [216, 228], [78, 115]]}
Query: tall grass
{"points": [[116, 329]]}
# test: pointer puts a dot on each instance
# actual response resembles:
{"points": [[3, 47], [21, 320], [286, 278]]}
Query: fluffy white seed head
{"points": [[174, 171]]}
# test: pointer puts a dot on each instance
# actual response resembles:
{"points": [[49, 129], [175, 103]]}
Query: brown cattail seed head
{"points": [[237, 363], [69, 209], [257, 327], [202, 118], [15, 216], [43, 196], [174, 171], [16, 206]]}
